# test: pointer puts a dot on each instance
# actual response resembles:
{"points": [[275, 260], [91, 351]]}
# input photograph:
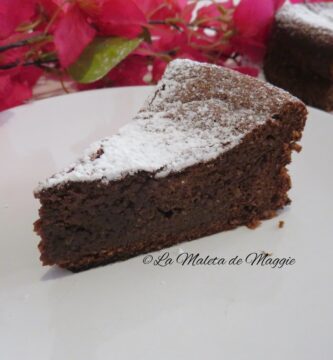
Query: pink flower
{"points": [[72, 35], [131, 71], [158, 69], [49, 6], [12, 93], [16, 87], [116, 17], [14, 55], [253, 19], [209, 15], [28, 75], [219, 31], [13, 13], [159, 9]]}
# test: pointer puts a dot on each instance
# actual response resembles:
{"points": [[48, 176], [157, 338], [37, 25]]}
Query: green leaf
{"points": [[100, 56]]}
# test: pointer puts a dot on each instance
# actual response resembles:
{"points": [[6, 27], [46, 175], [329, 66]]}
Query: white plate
{"points": [[129, 310]]}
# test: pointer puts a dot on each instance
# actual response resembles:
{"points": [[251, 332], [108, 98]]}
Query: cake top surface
{"points": [[315, 19], [197, 112]]}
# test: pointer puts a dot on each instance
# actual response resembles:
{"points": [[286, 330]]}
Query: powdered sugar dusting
{"points": [[197, 112], [317, 18]]}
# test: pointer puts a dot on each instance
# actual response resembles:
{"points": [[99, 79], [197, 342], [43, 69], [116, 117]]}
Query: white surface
{"points": [[129, 310]]}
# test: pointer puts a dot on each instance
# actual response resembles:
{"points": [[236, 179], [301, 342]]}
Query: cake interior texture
{"points": [[300, 53], [207, 152]]}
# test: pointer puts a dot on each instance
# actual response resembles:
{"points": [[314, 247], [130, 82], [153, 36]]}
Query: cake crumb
{"points": [[281, 224], [253, 224], [296, 147]]}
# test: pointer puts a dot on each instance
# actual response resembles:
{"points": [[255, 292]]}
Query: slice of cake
{"points": [[206, 153], [300, 53]]}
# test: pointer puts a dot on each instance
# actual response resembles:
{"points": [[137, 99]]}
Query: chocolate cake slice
{"points": [[206, 153], [300, 53]]}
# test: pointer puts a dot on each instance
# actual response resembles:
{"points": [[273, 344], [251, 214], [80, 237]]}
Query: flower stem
{"points": [[25, 42], [38, 62]]}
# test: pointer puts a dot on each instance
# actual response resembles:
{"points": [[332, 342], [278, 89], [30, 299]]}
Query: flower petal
{"points": [[159, 9], [253, 20], [158, 69], [252, 17], [12, 92], [13, 13], [118, 17], [131, 71], [72, 35]]}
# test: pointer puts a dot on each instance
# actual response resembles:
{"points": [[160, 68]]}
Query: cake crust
{"points": [[197, 112]]}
